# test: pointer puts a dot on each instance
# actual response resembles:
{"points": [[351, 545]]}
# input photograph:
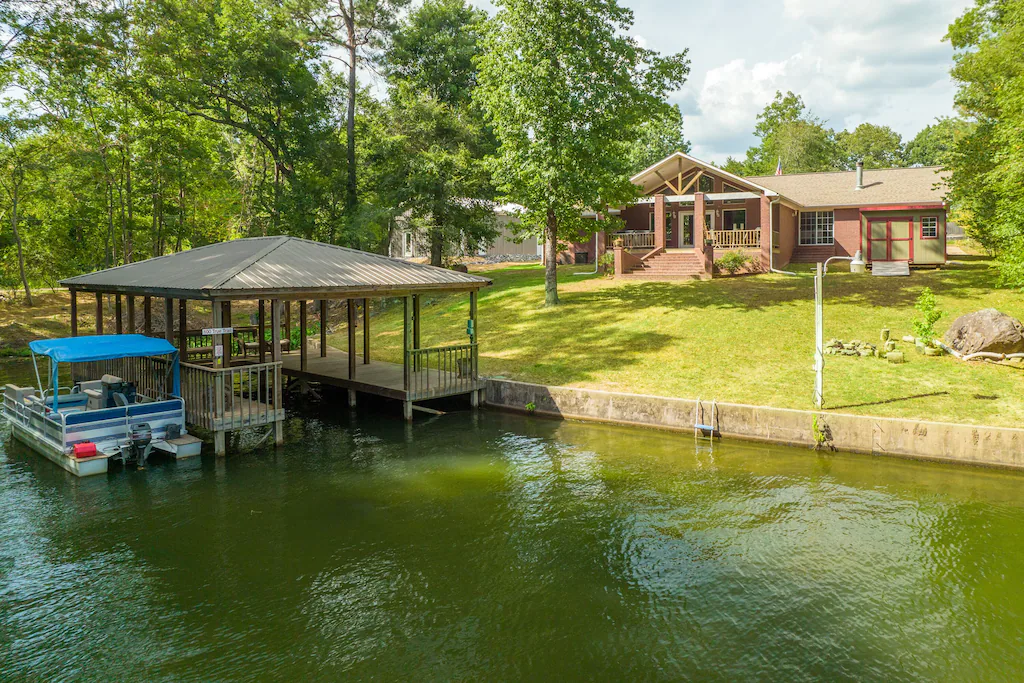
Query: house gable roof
{"points": [[654, 176], [890, 186]]}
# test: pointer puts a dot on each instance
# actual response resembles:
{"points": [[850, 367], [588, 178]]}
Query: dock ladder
{"points": [[699, 427]]}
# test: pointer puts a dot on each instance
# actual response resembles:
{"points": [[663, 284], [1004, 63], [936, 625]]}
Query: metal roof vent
{"points": [[860, 175]]}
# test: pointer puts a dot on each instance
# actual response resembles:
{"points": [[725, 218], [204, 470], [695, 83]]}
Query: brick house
{"points": [[691, 212]]}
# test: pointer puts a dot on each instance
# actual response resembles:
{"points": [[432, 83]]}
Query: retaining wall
{"points": [[970, 444]]}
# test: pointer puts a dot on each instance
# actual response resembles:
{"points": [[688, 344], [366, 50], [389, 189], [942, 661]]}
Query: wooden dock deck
{"points": [[438, 374]]}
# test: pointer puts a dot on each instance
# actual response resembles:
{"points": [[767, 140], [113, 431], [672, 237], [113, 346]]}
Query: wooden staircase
{"points": [[667, 266]]}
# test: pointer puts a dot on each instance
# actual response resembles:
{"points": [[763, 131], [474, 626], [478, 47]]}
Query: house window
{"points": [[706, 184], [650, 225], [929, 227], [816, 228], [407, 244], [734, 219]]}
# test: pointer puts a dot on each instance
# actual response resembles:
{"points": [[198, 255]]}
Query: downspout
{"points": [[771, 249]]}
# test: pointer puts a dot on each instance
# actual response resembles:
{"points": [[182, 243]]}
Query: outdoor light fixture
{"points": [[857, 265]]}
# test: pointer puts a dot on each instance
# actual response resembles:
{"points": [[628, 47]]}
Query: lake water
{"points": [[500, 547]]}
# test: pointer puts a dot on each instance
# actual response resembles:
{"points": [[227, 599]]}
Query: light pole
{"points": [[857, 265]]}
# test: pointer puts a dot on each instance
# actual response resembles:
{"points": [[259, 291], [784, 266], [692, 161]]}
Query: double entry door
{"points": [[686, 231], [891, 239]]}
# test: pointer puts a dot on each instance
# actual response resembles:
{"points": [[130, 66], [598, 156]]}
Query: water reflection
{"points": [[501, 547]]}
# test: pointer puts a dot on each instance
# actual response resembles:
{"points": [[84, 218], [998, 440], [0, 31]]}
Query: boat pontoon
{"points": [[102, 418]]}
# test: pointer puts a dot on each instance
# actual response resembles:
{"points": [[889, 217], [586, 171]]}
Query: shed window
{"points": [[816, 228], [929, 227]]}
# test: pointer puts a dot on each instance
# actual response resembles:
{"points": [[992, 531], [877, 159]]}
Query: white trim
{"points": [[705, 165], [711, 197]]}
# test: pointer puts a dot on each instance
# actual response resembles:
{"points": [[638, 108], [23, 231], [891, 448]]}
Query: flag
{"points": [[778, 168]]}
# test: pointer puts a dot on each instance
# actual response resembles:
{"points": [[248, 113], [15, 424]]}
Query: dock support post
{"points": [[275, 341], [473, 336], [302, 335], [219, 445], [182, 329], [351, 398], [99, 313], [169, 320], [131, 313], [228, 338], [351, 338], [147, 316], [406, 356], [407, 410], [118, 325], [261, 341], [288, 322], [323, 328], [74, 313], [366, 331]]}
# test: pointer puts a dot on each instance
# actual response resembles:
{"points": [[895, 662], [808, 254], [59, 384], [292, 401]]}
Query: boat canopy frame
{"points": [[102, 347]]}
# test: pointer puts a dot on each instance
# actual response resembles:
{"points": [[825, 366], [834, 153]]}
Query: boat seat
{"points": [[18, 394]]}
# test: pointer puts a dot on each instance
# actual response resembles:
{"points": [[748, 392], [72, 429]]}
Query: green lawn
{"points": [[745, 339]]}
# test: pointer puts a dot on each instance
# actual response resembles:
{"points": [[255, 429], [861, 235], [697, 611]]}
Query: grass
{"points": [[744, 339]]}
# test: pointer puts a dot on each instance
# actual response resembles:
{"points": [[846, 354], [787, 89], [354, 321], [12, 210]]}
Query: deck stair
{"points": [[890, 268], [667, 266]]}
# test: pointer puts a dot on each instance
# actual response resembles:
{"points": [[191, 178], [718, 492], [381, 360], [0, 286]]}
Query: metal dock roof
{"points": [[272, 267]]}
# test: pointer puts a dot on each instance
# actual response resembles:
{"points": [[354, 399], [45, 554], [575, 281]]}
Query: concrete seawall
{"points": [[968, 444]]}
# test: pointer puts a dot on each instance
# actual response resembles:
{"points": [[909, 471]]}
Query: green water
{"points": [[498, 547]]}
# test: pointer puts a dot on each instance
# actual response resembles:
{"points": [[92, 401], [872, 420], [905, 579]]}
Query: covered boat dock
{"points": [[233, 377]]}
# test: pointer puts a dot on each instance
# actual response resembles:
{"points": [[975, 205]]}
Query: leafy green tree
{"points": [[659, 137], [932, 146], [790, 133], [567, 92], [18, 158], [987, 160], [876, 146]]}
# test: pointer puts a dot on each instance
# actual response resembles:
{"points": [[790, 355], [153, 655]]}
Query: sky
{"points": [[882, 61]]}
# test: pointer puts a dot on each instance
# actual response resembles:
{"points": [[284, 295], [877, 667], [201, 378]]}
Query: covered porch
{"points": [[234, 377]]}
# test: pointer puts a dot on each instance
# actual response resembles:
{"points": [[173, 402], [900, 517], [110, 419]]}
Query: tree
{"points": [[790, 133], [18, 156], [932, 146], [567, 92], [360, 30], [659, 137], [876, 146], [987, 160]]}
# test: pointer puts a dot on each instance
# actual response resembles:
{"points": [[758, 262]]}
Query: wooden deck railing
{"points": [[441, 371], [631, 240], [224, 399], [733, 239], [151, 376]]}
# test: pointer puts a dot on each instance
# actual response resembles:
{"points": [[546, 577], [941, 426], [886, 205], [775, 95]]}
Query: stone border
{"points": [[959, 443]]}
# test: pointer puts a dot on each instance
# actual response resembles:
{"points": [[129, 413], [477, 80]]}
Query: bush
{"points": [[733, 262], [924, 327]]}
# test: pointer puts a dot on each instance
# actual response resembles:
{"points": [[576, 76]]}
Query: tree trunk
{"points": [[551, 258], [436, 246], [351, 198], [17, 241]]}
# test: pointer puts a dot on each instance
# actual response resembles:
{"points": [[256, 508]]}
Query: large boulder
{"points": [[986, 330]]}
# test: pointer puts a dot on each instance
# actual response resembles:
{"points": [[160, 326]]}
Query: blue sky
{"points": [[852, 61]]}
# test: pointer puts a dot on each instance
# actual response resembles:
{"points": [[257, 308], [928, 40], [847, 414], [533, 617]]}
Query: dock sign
{"points": [[218, 330]]}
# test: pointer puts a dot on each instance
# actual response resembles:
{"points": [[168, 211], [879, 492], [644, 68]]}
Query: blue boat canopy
{"points": [[101, 347]]}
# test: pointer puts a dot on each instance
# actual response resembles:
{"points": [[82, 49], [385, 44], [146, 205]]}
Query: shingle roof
{"points": [[921, 185], [262, 266]]}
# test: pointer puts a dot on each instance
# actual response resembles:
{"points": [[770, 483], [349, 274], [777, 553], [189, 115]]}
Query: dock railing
{"points": [[226, 399], [441, 371]]}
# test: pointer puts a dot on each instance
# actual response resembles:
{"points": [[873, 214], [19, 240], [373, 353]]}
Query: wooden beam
{"points": [[262, 332], [692, 181], [474, 332], [323, 328], [183, 329], [74, 313], [366, 331], [131, 313], [118, 325], [169, 320], [288, 320], [406, 343], [667, 182], [302, 335], [275, 335], [351, 338], [147, 316], [416, 322], [99, 313]]}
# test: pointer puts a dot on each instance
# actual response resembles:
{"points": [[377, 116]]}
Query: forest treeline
{"points": [[136, 128]]}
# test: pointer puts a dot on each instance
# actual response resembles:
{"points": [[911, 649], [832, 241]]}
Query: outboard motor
{"points": [[142, 443]]}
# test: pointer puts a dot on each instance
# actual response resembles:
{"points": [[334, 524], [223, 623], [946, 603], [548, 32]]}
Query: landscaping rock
{"points": [[932, 351], [895, 357], [920, 346], [884, 336], [849, 352], [866, 352], [986, 330], [877, 353], [890, 345], [909, 339]]}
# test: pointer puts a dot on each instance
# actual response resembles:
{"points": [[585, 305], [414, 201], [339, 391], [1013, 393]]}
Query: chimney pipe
{"points": [[860, 175]]}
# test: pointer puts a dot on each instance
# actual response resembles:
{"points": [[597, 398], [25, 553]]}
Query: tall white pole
{"points": [[819, 344]]}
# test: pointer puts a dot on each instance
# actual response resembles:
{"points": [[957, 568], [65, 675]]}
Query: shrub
{"points": [[924, 327], [733, 262]]}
